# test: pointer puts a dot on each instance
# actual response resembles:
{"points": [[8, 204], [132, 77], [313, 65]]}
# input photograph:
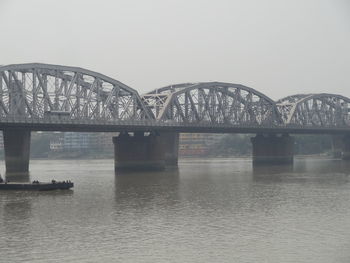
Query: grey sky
{"points": [[278, 47]]}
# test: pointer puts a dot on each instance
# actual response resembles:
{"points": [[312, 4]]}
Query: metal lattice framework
{"points": [[212, 103], [42, 91], [321, 110], [51, 97]]}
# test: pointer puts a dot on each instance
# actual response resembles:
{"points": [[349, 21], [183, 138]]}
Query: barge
{"points": [[37, 186]]}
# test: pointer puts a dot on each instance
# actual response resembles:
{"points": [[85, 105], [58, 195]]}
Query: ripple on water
{"points": [[212, 210]]}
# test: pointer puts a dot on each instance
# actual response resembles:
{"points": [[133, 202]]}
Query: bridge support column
{"points": [[337, 146], [273, 149], [17, 150], [346, 148], [170, 144], [140, 152]]}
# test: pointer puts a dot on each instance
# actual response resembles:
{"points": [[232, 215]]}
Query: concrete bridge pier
{"points": [[337, 146], [170, 144], [145, 152], [346, 147], [273, 149], [17, 150]]}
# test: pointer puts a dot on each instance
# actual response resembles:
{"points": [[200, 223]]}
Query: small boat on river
{"points": [[37, 186]]}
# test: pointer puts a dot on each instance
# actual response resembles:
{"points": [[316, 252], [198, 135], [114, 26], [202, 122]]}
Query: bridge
{"points": [[43, 97]]}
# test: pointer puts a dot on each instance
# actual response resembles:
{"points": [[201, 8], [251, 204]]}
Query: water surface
{"points": [[219, 210]]}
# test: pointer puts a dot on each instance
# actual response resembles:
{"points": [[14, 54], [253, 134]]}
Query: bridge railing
{"points": [[26, 119]]}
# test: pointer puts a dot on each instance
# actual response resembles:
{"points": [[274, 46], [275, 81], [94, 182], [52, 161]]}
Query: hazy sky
{"points": [[278, 47]]}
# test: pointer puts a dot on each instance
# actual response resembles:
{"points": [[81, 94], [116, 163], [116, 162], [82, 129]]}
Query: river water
{"points": [[219, 210]]}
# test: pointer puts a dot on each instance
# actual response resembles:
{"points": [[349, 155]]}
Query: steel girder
{"points": [[43, 93], [35, 90], [212, 103], [321, 110]]}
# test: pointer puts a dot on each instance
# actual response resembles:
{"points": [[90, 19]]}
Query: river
{"points": [[212, 210]]}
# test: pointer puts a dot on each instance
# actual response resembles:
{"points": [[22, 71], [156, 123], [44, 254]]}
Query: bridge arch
{"points": [[35, 90], [321, 110], [212, 102]]}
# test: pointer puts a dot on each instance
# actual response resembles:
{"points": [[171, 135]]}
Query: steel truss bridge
{"points": [[60, 98]]}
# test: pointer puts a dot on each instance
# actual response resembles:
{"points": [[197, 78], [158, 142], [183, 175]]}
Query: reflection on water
{"points": [[313, 171], [273, 173], [146, 188], [221, 210]]}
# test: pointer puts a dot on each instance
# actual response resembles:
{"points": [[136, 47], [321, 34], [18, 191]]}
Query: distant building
{"points": [[76, 140], [197, 144], [56, 145], [101, 141]]}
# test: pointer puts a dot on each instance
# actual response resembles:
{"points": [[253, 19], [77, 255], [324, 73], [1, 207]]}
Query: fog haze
{"points": [[277, 47]]}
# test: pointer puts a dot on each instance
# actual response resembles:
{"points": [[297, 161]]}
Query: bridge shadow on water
{"points": [[144, 189], [271, 173], [320, 171]]}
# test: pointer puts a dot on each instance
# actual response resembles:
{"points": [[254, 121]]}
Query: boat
{"points": [[37, 186]]}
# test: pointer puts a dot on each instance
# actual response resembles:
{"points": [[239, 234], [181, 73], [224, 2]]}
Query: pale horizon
{"points": [[279, 48]]}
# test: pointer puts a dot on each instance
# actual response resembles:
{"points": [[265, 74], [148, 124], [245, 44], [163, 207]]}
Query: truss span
{"points": [[316, 110], [45, 92], [212, 103], [51, 97]]}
